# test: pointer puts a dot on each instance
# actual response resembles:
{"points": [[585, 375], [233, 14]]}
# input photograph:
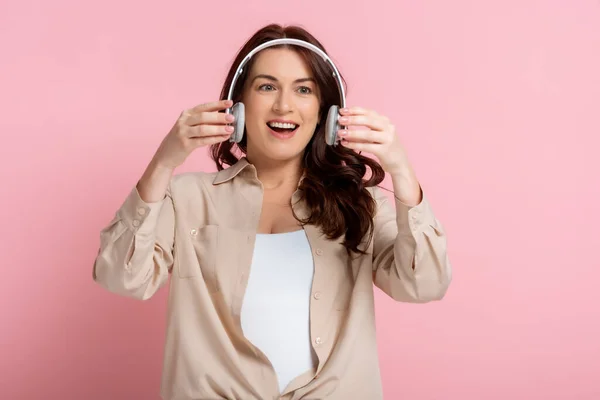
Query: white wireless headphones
{"points": [[238, 109]]}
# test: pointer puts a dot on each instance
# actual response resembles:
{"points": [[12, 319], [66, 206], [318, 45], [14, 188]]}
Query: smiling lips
{"points": [[282, 129]]}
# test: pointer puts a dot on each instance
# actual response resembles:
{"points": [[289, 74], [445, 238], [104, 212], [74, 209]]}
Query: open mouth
{"points": [[282, 127]]}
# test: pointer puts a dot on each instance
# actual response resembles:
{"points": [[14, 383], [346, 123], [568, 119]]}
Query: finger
{"points": [[362, 136], [368, 121], [213, 118], [356, 111], [212, 106], [207, 141], [358, 146], [200, 131]]}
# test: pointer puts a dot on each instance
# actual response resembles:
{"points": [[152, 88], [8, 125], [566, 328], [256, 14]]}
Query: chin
{"points": [[279, 152]]}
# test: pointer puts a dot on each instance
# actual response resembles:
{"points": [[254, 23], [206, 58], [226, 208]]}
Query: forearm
{"points": [[153, 184], [410, 250], [135, 253]]}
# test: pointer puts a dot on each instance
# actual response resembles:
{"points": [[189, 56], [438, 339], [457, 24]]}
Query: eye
{"points": [[266, 86], [305, 90]]}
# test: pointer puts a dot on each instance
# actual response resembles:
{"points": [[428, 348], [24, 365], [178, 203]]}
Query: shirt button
{"points": [[317, 295], [194, 232], [318, 341], [136, 222], [319, 252], [141, 211]]}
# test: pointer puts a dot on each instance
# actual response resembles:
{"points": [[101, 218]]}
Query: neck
{"points": [[276, 174]]}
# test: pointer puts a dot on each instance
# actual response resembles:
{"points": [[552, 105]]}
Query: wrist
{"points": [[406, 187]]}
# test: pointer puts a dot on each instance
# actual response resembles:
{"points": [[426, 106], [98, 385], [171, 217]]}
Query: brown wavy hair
{"points": [[334, 184]]}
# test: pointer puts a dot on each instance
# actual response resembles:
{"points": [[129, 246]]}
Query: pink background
{"points": [[496, 101]]}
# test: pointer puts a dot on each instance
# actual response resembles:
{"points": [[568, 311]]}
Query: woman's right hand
{"points": [[200, 126]]}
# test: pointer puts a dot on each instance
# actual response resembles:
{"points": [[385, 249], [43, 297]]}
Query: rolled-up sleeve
{"points": [[136, 247], [410, 257]]}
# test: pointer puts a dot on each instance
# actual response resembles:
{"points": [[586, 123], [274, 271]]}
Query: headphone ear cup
{"points": [[332, 125], [239, 112]]}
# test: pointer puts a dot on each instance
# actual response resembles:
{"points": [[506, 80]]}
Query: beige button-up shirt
{"points": [[202, 235]]}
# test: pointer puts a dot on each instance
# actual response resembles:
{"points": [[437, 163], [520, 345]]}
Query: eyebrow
{"points": [[272, 78]]}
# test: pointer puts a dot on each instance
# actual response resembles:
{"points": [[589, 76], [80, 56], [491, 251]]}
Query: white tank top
{"points": [[276, 306]]}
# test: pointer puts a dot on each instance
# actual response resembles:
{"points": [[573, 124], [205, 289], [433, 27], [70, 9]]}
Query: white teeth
{"points": [[282, 125]]}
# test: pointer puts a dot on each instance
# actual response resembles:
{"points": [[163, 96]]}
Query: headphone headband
{"points": [[295, 42]]}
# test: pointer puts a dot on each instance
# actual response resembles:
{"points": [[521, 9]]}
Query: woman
{"points": [[273, 258]]}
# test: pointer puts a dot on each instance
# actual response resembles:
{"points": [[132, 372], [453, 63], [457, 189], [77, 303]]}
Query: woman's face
{"points": [[282, 105]]}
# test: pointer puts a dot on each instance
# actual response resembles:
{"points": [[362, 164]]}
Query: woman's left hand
{"points": [[377, 135]]}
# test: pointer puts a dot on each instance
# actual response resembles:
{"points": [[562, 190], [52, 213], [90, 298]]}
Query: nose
{"points": [[283, 103]]}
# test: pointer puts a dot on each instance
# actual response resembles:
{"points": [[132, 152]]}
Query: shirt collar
{"points": [[243, 166], [231, 172]]}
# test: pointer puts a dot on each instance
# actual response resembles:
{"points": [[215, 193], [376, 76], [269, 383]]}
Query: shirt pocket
{"points": [[203, 256]]}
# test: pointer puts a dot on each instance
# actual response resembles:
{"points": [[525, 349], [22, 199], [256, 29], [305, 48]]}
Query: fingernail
{"points": [[344, 119], [229, 128], [343, 132], [344, 110], [229, 118]]}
